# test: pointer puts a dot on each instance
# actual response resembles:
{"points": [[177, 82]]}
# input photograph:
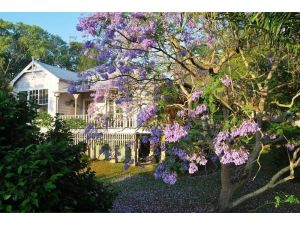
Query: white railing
{"points": [[113, 140], [118, 121]]}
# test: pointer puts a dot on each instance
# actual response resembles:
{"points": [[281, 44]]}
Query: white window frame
{"points": [[45, 101]]}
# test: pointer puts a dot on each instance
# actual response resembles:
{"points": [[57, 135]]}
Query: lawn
{"points": [[140, 192]]}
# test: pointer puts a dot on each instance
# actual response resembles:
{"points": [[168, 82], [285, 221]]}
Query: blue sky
{"points": [[60, 23]]}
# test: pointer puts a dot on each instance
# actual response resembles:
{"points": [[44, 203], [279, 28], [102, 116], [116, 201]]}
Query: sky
{"points": [[59, 23]]}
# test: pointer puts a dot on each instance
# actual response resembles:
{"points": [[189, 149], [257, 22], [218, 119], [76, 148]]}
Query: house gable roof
{"points": [[60, 73]]}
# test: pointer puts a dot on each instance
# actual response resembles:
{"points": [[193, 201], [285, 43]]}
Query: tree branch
{"points": [[273, 182], [287, 105]]}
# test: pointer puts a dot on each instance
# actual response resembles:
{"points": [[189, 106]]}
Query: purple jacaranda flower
{"points": [[191, 24], [174, 132], [193, 168], [156, 133], [200, 109], [238, 157], [291, 147], [145, 138], [88, 44], [72, 89], [79, 28], [196, 94], [169, 177], [159, 171], [147, 43], [248, 127], [111, 69], [180, 153], [156, 151], [201, 160], [182, 53], [226, 81], [146, 113], [224, 140], [89, 128], [139, 15], [126, 166], [163, 147], [181, 113], [214, 158]]}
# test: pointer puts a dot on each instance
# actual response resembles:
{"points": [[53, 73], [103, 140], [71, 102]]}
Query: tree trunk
{"points": [[227, 189]]}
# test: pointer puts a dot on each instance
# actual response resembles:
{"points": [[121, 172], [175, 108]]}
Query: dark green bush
{"points": [[49, 175], [16, 128]]}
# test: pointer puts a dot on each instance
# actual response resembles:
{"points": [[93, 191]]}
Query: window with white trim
{"points": [[39, 97]]}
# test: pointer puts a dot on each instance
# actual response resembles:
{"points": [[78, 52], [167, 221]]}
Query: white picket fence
{"points": [[112, 139]]}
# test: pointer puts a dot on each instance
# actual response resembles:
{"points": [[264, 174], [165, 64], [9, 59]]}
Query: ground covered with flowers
{"points": [[139, 191]]}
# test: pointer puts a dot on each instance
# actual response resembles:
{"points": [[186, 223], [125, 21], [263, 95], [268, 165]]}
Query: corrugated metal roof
{"points": [[59, 72]]}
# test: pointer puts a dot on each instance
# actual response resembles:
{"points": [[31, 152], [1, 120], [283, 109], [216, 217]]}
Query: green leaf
{"points": [[20, 169], [49, 186], [7, 196], [8, 208], [55, 176], [9, 175], [277, 201]]}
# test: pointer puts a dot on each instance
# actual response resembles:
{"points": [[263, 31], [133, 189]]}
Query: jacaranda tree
{"points": [[217, 90]]}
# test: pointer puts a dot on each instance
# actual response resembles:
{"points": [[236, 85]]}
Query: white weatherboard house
{"points": [[47, 86]]}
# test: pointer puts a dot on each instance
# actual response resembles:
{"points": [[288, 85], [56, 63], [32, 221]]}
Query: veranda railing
{"points": [[118, 121]]}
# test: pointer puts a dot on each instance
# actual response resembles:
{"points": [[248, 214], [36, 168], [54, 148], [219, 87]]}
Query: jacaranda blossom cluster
{"points": [[225, 140], [291, 146], [91, 132], [200, 109], [226, 81], [163, 173], [188, 163], [174, 132], [146, 113], [196, 94]]}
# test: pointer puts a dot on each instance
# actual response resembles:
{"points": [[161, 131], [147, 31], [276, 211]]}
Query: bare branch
{"points": [[287, 105]]}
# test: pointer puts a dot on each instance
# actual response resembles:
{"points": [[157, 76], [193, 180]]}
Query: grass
{"points": [[140, 192], [107, 171]]}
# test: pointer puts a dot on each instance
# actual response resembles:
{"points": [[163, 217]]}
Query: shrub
{"points": [[16, 128], [43, 119], [75, 123], [49, 175]]}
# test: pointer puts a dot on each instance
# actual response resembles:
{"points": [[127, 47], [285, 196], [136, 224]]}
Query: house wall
{"points": [[66, 103], [39, 80]]}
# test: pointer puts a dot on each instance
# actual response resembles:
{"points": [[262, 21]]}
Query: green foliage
{"points": [[16, 128], [75, 123], [286, 199], [43, 119], [44, 173], [20, 42]]}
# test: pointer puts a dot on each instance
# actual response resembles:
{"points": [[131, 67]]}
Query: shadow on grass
{"points": [[140, 192]]}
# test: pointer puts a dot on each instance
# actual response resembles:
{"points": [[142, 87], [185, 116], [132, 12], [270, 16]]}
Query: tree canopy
{"points": [[20, 42], [224, 87]]}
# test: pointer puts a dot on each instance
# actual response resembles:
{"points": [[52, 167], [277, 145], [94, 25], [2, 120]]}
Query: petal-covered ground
{"points": [[140, 192]]}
